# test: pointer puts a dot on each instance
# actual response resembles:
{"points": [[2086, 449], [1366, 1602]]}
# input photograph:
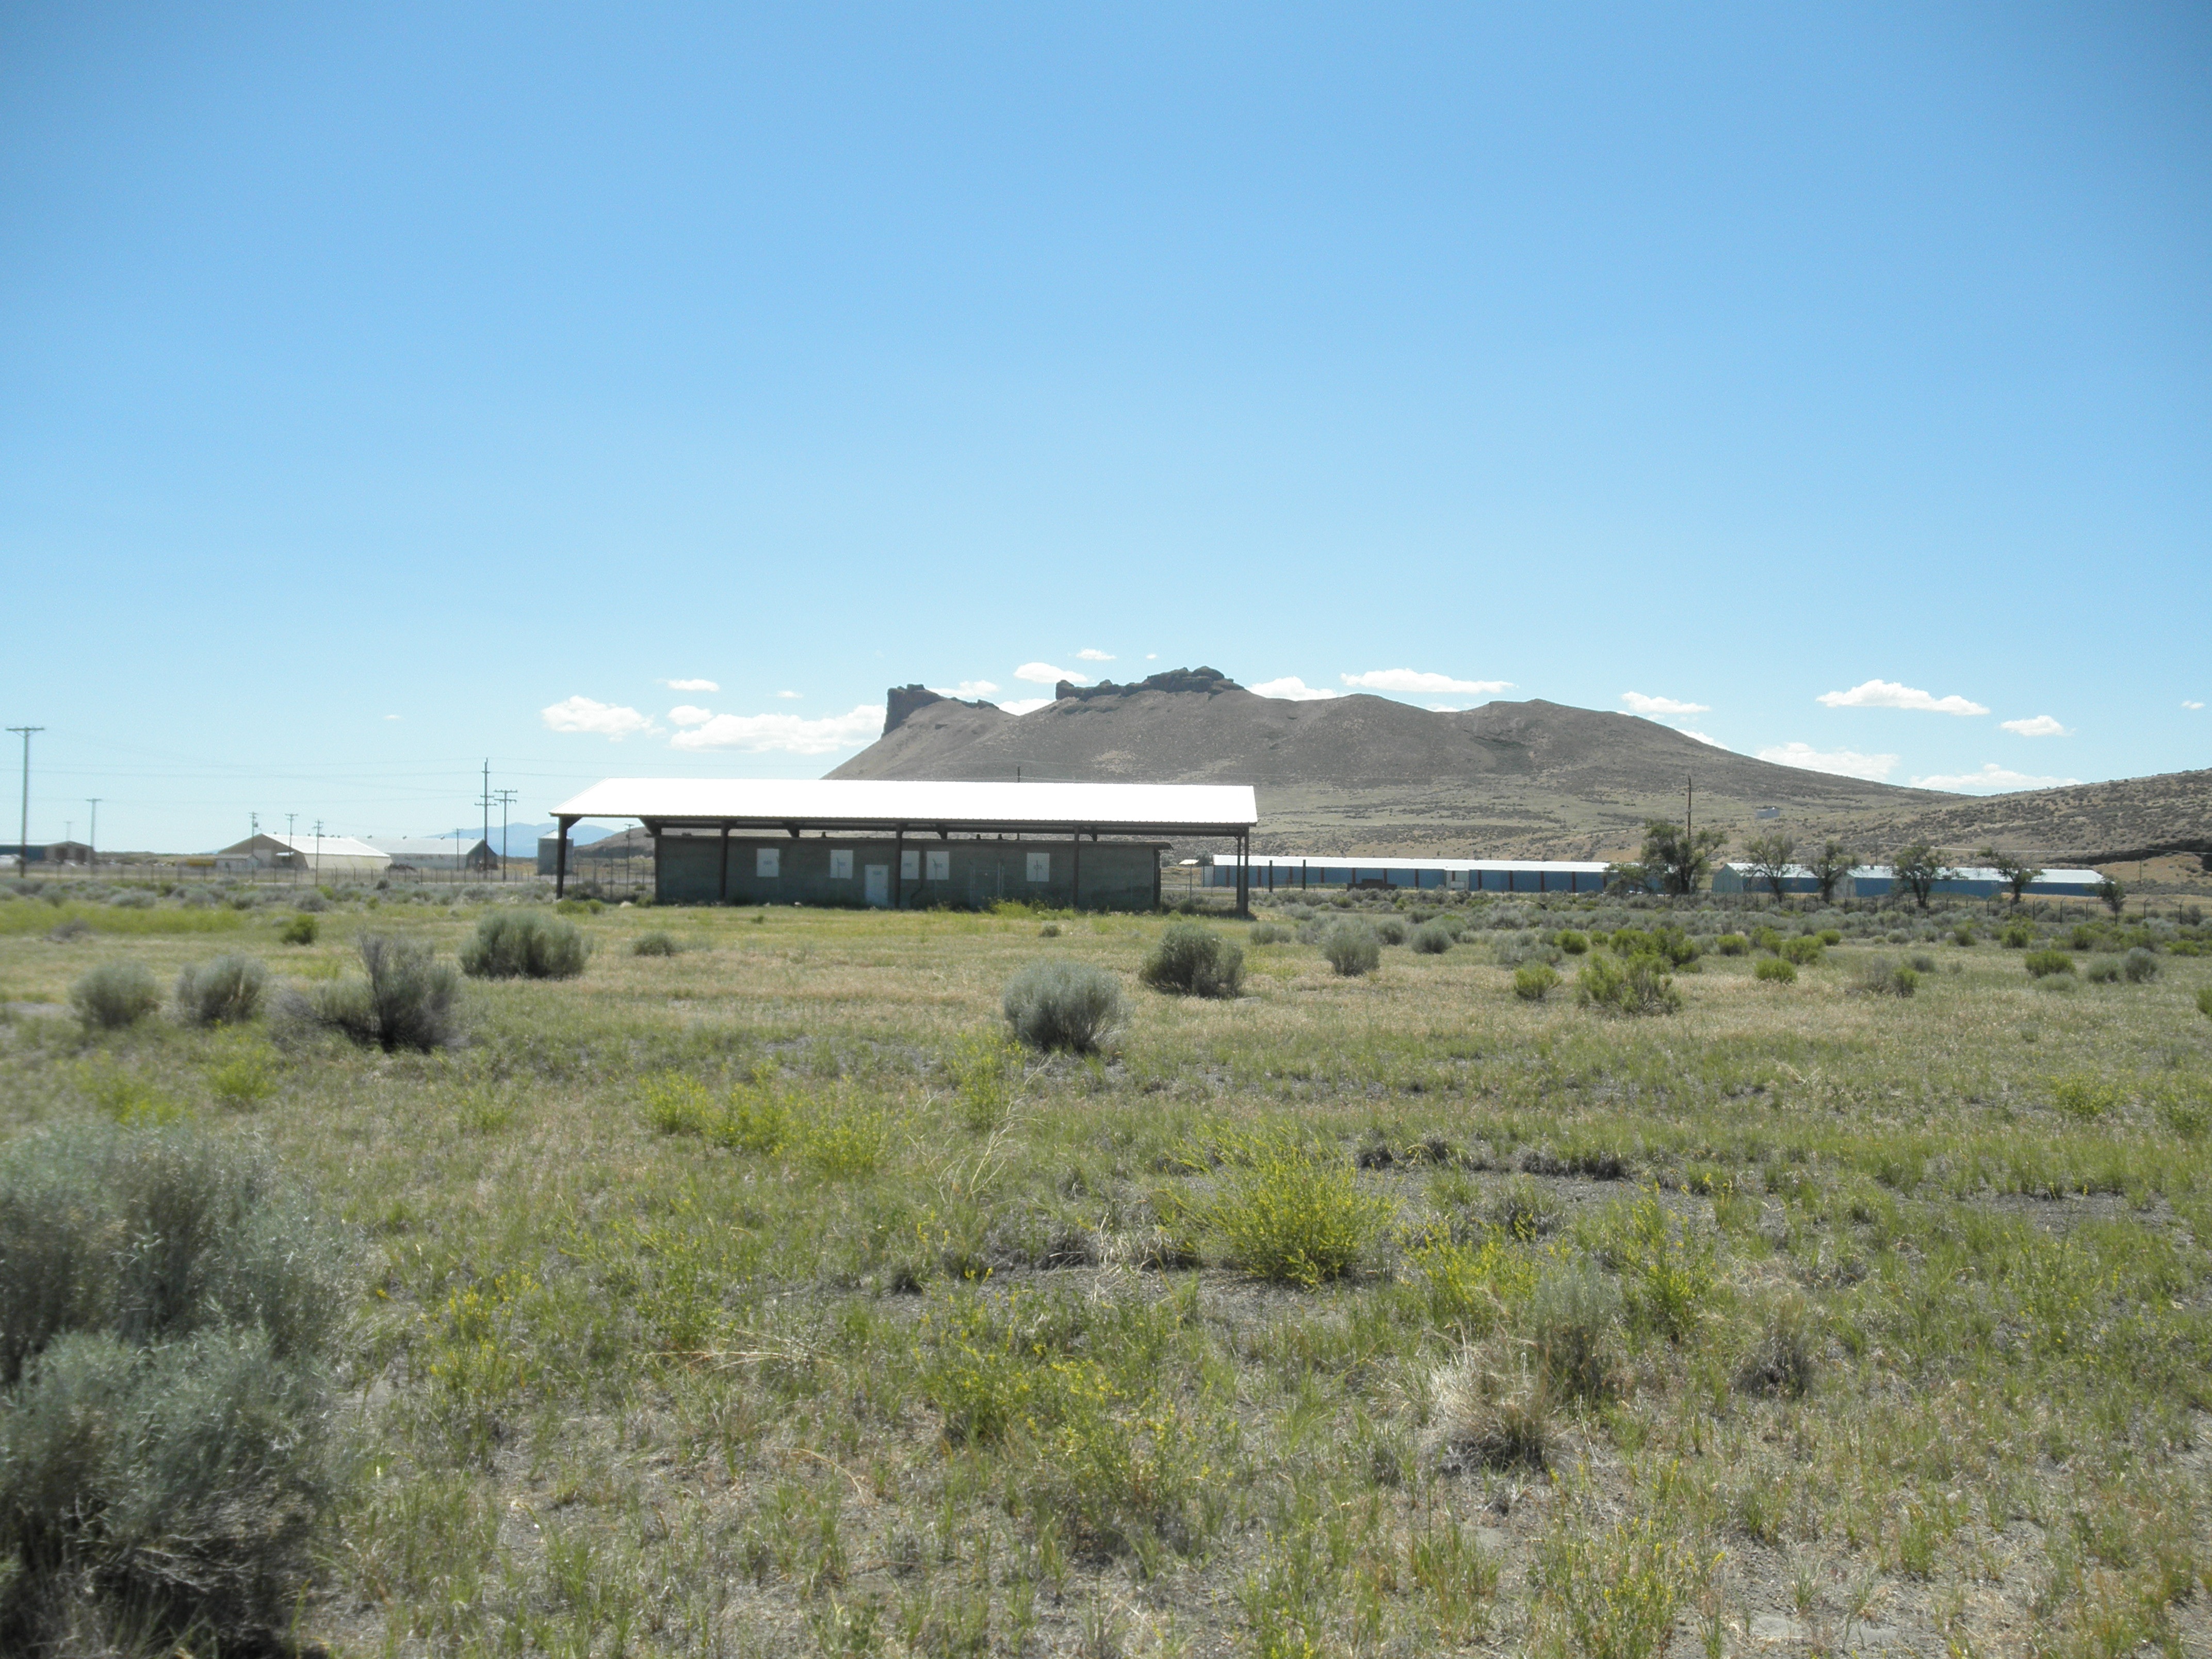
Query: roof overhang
{"points": [[1159, 809]]}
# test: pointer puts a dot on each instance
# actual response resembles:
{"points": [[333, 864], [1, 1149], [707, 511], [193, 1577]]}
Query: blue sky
{"points": [[383, 389]]}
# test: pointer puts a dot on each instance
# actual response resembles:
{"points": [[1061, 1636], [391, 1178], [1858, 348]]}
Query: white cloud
{"points": [[1152, 656], [1640, 704], [789, 697], [685, 715], [1293, 689], [1089, 655], [969, 689], [1043, 673], [1713, 743], [1414, 679], [601, 719], [391, 717], [1026, 705], [1889, 693], [691, 685], [2186, 703], [1992, 779], [1844, 762], [2041, 726], [794, 734]]}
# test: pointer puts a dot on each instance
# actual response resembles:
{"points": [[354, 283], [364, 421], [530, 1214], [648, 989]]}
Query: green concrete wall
{"points": [[1117, 875]]}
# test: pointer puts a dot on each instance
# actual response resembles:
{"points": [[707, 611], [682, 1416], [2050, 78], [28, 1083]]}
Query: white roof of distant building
{"points": [[1519, 866], [885, 803], [1951, 873], [418, 847], [328, 847]]}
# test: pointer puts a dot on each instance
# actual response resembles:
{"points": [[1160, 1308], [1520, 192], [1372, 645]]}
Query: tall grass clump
{"points": [[1533, 982], [227, 990], [1293, 1213], [525, 945], [169, 1317], [2041, 964], [1194, 961], [1776, 970], [405, 999], [113, 995], [1055, 1003], [1352, 948], [658, 943]]}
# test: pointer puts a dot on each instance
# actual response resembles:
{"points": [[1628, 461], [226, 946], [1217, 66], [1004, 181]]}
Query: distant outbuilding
{"points": [[436, 852], [902, 845], [1875, 881], [320, 858]]}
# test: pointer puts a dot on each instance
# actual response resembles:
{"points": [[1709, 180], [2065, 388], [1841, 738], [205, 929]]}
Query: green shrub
{"points": [[168, 1317], [1534, 980], [1352, 948], [2204, 1000], [2084, 1097], [525, 945], [1829, 936], [1805, 950], [1194, 961], [1879, 976], [1574, 1320], [1392, 930], [1431, 938], [405, 1001], [244, 1076], [1667, 1270], [1667, 945], [312, 900], [299, 930], [227, 990], [1293, 1213], [986, 1071], [1639, 986], [1776, 970], [1963, 936], [581, 907], [2139, 965], [1767, 938], [2041, 964], [2082, 936], [658, 943], [1573, 943], [2016, 936], [2102, 971], [1054, 1004], [1269, 932], [113, 995], [1921, 962], [1732, 944]]}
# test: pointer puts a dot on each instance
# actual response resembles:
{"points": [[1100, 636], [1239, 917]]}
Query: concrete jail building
{"points": [[898, 845]]}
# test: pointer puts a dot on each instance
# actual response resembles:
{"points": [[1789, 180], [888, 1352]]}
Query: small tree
{"points": [[2112, 893], [1770, 856], [2016, 873], [1917, 869], [1829, 867], [1677, 857], [1627, 878]]}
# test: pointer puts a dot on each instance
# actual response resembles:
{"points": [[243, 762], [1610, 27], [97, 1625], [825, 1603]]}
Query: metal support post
{"points": [[561, 858]]}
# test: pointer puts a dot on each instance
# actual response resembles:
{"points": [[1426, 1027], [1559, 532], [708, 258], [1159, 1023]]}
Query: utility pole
{"points": [[318, 852], [292, 869], [92, 835], [1689, 804], [484, 801], [507, 798], [23, 845]]}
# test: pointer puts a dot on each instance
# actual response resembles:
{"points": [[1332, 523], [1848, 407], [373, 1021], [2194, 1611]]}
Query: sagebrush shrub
{"points": [[168, 1313], [1269, 932], [2016, 935], [1352, 948], [405, 1001], [2102, 971], [2041, 964], [2139, 965], [1195, 961], [299, 930], [1431, 938], [227, 990], [1881, 977], [525, 945], [1574, 1326], [1056, 1004], [1391, 929], [1732, 944], [2204, 1000], [1784, 1356], [1805, 950], [1573, 942], [1775, 970], [658, 943], [113, 995]]}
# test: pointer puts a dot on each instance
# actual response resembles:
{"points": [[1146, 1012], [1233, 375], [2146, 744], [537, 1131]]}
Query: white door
{"points": [[879, 885]]}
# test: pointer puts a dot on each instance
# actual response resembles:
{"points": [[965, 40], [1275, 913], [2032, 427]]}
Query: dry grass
{"points": [[632, 1391]]}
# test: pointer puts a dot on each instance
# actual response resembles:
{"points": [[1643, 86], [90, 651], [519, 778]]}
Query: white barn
{"points": [[320, 858]]}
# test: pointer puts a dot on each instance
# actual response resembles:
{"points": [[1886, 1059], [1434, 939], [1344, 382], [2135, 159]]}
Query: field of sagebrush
{"points": [[762, 1296]]}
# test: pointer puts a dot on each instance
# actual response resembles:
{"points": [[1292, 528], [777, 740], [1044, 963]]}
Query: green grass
{"points": [[767, 1298]]}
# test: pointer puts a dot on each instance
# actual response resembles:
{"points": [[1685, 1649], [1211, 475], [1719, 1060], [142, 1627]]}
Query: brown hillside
{"points": [[1371, 774]]}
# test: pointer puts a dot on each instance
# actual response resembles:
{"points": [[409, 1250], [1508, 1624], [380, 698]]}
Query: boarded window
{"points": [[767, 862], [909, 865], [1040, 867], [938, 867], [841, 864]]}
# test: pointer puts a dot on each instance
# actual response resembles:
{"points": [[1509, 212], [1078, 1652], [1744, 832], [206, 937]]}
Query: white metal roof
{"points": [[1951, 873], [854, 802], [1519, 866], [422, 847], [328, 847]]}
